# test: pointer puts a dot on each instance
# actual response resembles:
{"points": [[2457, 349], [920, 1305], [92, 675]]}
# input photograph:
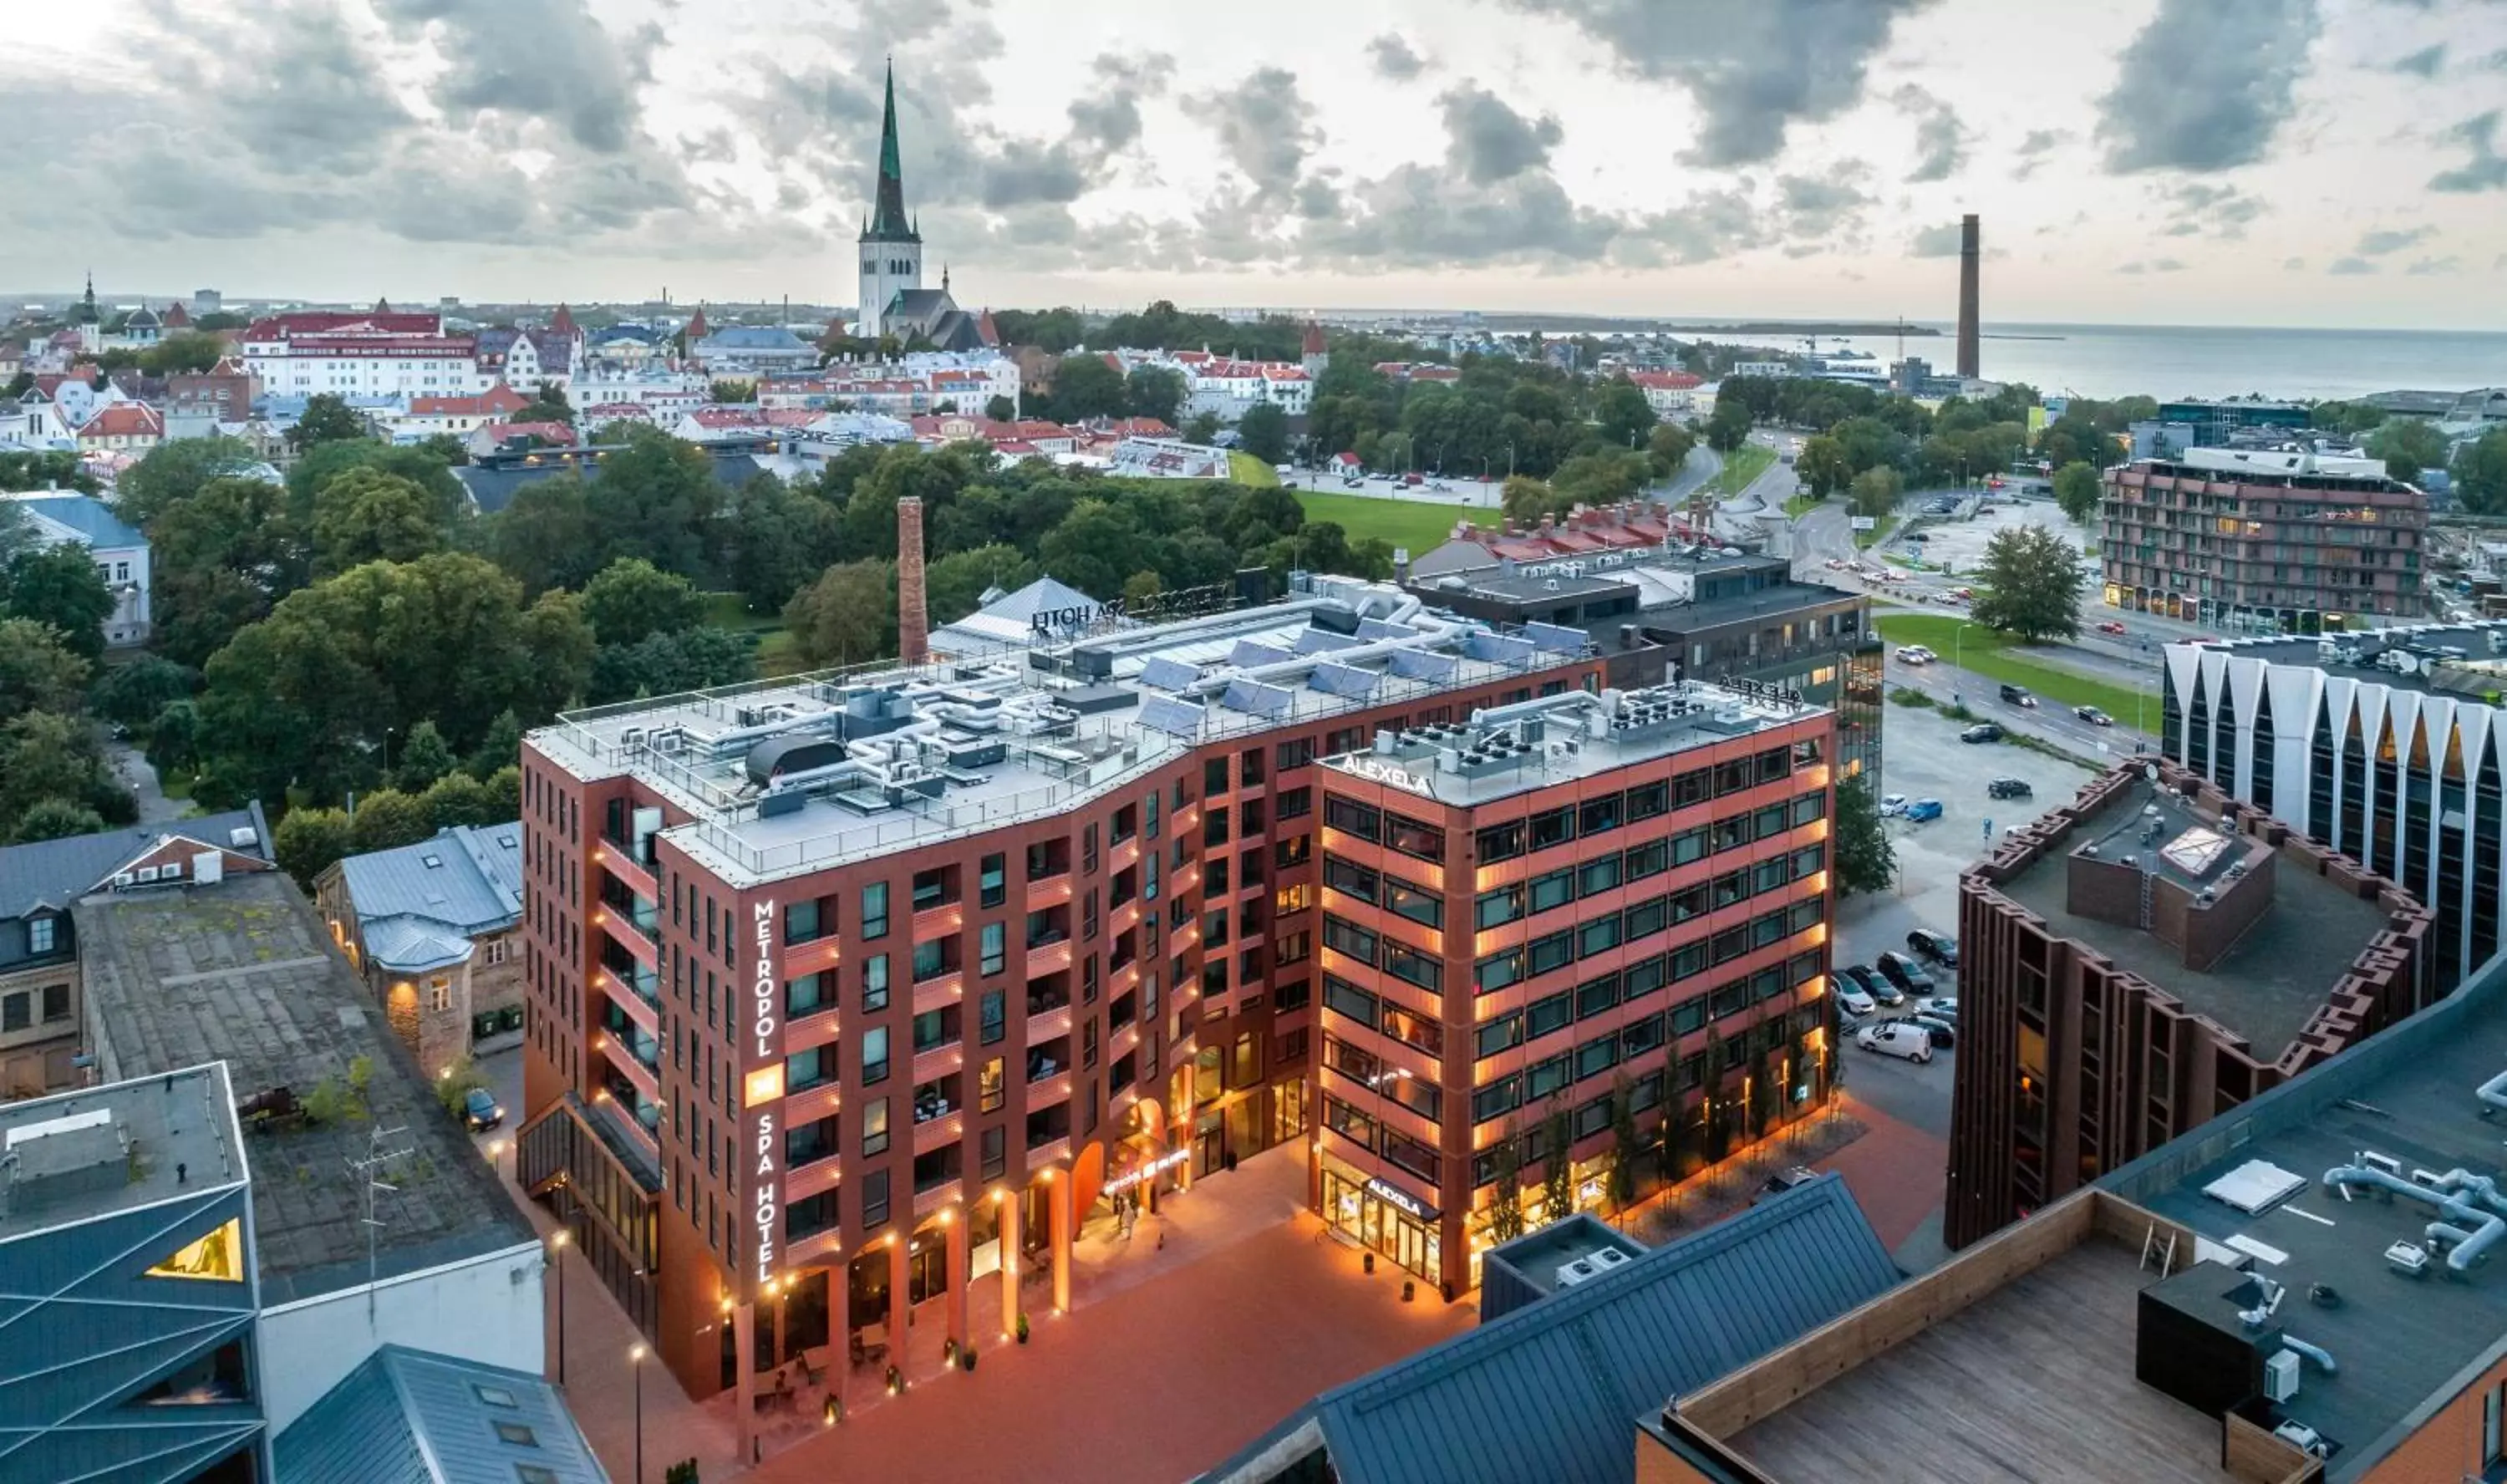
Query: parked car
{"points": [[1943, 1005], [1940, 947], [2094, 716], [1864, 977], [2110, 626], [1851, 998], [1892, 805], [1916, 654], [1896, 1039], [1923, 810], [1944, 1032], [1904, 971], [2018, 696], [1783, 1180], [2007, 788], [481, 1110], [1982, 732], [1414, 478], [1352, 482]]}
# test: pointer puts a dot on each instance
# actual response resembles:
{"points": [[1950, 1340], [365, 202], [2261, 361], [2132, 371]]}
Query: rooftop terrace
{"points": [[78, 1156], [243, 972], [2462, 660]]}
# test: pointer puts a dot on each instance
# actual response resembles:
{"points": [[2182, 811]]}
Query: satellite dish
{"points": [[2149, 772]]}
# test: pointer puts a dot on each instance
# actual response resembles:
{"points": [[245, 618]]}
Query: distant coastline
{"points": [[1789, 328]]}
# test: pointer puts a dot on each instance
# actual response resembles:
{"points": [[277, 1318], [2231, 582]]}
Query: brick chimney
{"points": [[913, 623]]}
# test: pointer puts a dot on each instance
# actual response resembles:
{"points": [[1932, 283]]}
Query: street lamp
{"points": [[557, 1259], [636, 1360]]}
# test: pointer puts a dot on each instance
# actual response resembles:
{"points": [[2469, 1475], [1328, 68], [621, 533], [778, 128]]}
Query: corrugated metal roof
{"points": [[1553, 1390], [414, 1417], [90, 519], [54, 873], [416, 903]]}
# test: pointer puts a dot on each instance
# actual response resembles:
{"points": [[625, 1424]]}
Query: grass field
{"points": [[1250, 472], [1741, 466], [1799, 505], [1865, 540], [2000, 657], [1415, 524]]}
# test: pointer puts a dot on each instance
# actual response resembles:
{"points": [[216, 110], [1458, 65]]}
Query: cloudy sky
{"points": [[2220, 162]]}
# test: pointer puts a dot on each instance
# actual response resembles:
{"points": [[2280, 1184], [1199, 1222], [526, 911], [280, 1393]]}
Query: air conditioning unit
{"points": [[1581, 1270], [2280, 1375], [1608, 1258]]}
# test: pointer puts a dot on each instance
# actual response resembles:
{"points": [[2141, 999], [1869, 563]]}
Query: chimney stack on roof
{"points": [[1969, 252], [913, 623]]}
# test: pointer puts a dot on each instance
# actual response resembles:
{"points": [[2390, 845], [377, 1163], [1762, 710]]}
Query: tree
{"points": [[732, 393], [174, 739], [548, 404], [61, 586], [954, 585], [1001, 410], [1729, 428], [1203, 428], [1096, 546], [1153, 391], [326, 418], [1821, 465], [666, 664], [1085, 386], [49, 755], [505, 792], [56, 819], [184, 351], [1263, 431], [1622, 414], [2408, 445], [1865, 860], [308, 841], [458, 798], [1874, 493], [631, 598], [2481, 473], [39, 671], [364, 515], [1626, 1146], [386, 819], [2077, 490], [1558, 1173], [423, 758], [1506, 1206], [847, 616], [132, 695], [500, 748], [1668, 446], [1526, 499], [2034, 578], [428, 465]]}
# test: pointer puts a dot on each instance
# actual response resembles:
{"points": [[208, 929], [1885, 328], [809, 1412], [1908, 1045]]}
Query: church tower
{"points": [[892, 250]]}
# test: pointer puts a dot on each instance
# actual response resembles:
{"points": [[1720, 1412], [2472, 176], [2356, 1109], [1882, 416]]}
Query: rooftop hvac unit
{"points": [[2280, 1375], [1606, 1259], [1569, 1274], [243, 837], [2409, 1258]]}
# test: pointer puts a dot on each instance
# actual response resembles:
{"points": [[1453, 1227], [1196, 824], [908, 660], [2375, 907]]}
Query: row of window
{"points": [[1646, 801], [1635, 923], [1415, 838], [1558, 887], [1391, 954]]}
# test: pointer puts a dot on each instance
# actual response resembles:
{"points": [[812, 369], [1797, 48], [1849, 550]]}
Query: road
{"points": [[1950, 685], [133, 764]]}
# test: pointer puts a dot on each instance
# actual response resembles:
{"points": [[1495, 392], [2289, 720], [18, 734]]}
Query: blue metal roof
{"points": [[94, 521], [414, 1417], [418, 905], [55, 873], [1553, 1390]]}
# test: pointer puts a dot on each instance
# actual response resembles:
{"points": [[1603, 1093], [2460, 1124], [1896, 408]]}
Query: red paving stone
{"points": [[1153, 1384], [1898, 1173]]}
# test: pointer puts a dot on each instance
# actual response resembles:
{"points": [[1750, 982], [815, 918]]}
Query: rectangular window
{"points": [[1648, 859], [1342, 998], [875, 983], [993, 881], [801, 923], [874, 1194], [1598, 936], [1597, 875], [995, 940], [1499, 842], [805, 996], [1408, 964], [874, 911], [992, 1017], [988, 1086], [1496, 908], [1551, 1013], [1415, 838], [1552, 827], [1502, 1033], [1542, 1078], [1352, 818], [1596, 995], [1648, 917], [1598, 814], [1555, 950], [1416, 903], [1351, 879], [1345, 936], [1647, 800], [874, 1055], [1554, 890], [874, 1127], [1498, 970], [992, 1152]]}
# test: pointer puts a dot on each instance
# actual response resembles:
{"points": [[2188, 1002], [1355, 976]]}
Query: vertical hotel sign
{"points": [[763, 1099]]}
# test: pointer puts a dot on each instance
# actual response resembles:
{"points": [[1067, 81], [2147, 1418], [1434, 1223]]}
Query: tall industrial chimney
{"points": [[1966, 350], [913, 623]]}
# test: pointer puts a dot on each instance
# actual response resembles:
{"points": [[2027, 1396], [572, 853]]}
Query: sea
{"points": [[2178, 361]]}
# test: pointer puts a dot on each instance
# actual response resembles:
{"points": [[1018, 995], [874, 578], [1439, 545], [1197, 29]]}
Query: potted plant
{"points": [[966, 1358], [1021, 1329]]}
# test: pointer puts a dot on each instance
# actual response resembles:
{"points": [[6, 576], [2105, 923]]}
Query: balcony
{"points": [[1050, 1089], [813, 1248], [938, 1062], [802, 1182], [948, 1192], [816, 957], [629, 935], [632, 874], [1052, 892], [945, 921], [643, 1076], [941, 1132], [1127, 854], [638, 1008], [811, 1103], [940, 992], [1049, 958], [1127, 1039], [1052, 1152], [1123, 919], [816, 1028], [1048, 1024]]}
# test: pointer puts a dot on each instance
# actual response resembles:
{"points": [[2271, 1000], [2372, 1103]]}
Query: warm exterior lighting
{"points": [[998, 1196], [559, 1240], [636, 1354]]}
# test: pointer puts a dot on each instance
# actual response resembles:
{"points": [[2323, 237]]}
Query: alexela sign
{"points": [[1368, 766], [766, 1095]]}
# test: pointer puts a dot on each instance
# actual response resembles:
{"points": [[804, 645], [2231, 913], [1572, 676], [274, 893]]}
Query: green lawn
{"points": [[1250, 472], [2000, 657], [1864, 540], [1741, 466], [728, 610], [1415, 524], [1800, 505]]}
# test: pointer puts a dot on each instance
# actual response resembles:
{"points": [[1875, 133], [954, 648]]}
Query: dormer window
{"points": [[39, 934]]}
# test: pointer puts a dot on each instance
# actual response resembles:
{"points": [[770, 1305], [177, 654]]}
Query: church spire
{"points": [[889, 222]]}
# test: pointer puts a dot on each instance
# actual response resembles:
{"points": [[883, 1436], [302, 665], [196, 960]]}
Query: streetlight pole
{"points": [[556, 1246], [636, 1360]]}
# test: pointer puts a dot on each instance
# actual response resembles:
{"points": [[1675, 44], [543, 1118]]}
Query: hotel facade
{"points": [[851, 993]]}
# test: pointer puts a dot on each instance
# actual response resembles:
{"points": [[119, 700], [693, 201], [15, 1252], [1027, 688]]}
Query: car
{"points": [[1943, 1005], [2110, 626], [2094, 716], [1896, 1039], [1892, 805], [1923, 810], [1916, 654], [1982, 732], [2007, 788], [1940, 947], [1906, 973], [2018, 696], [1864, 977], [1944, 1032], [1352, 482], [1783, 1180], [1851, 998], [481, 1110], [1414, 478]]}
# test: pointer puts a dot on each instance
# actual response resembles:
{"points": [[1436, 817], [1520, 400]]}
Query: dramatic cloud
{"points": [[1491, 141], [2035, 147], [2487, 170], [1941, 139], [2427, 61], [1814, 207], [1393, 58], [1755, 68], [2205, 84], [2379, 243], [1940, 241], [545, 59], [1264, 127], [2196, 210]]}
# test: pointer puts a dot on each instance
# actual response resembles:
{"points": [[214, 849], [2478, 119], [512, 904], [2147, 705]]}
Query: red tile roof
{"points": [[1667, 381], [545, 432], [495, 401], [124, 419]]}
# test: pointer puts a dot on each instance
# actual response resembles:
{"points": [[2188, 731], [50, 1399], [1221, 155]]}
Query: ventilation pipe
{"points": [[2322, 1358], [2476, 1212], [2493, 1094]]}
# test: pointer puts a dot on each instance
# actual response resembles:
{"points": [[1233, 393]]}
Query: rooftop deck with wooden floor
{"points": [[2034, 1382]]}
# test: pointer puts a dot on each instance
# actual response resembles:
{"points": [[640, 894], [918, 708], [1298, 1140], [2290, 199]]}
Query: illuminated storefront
{"points": [[1383, 1218]]}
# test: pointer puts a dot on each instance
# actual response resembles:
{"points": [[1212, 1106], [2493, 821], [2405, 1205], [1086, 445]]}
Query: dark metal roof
{"points": [[1553, 1390], [414, 1417]]}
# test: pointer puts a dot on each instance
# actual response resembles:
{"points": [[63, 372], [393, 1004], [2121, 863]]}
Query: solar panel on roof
{"points": [[1378, 629], [1166, 674], [1556, 638], [1255, 699], [1317, 641], [1344, 681], [1421, 665], [1165, 714], [1247, 654], [1498, 649]]}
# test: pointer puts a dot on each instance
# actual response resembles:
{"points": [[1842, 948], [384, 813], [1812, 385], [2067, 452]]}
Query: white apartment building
{"points": [[119, 553], [381, 354]]}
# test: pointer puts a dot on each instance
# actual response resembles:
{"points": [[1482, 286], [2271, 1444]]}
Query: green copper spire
{"points": [[889, 222]]}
